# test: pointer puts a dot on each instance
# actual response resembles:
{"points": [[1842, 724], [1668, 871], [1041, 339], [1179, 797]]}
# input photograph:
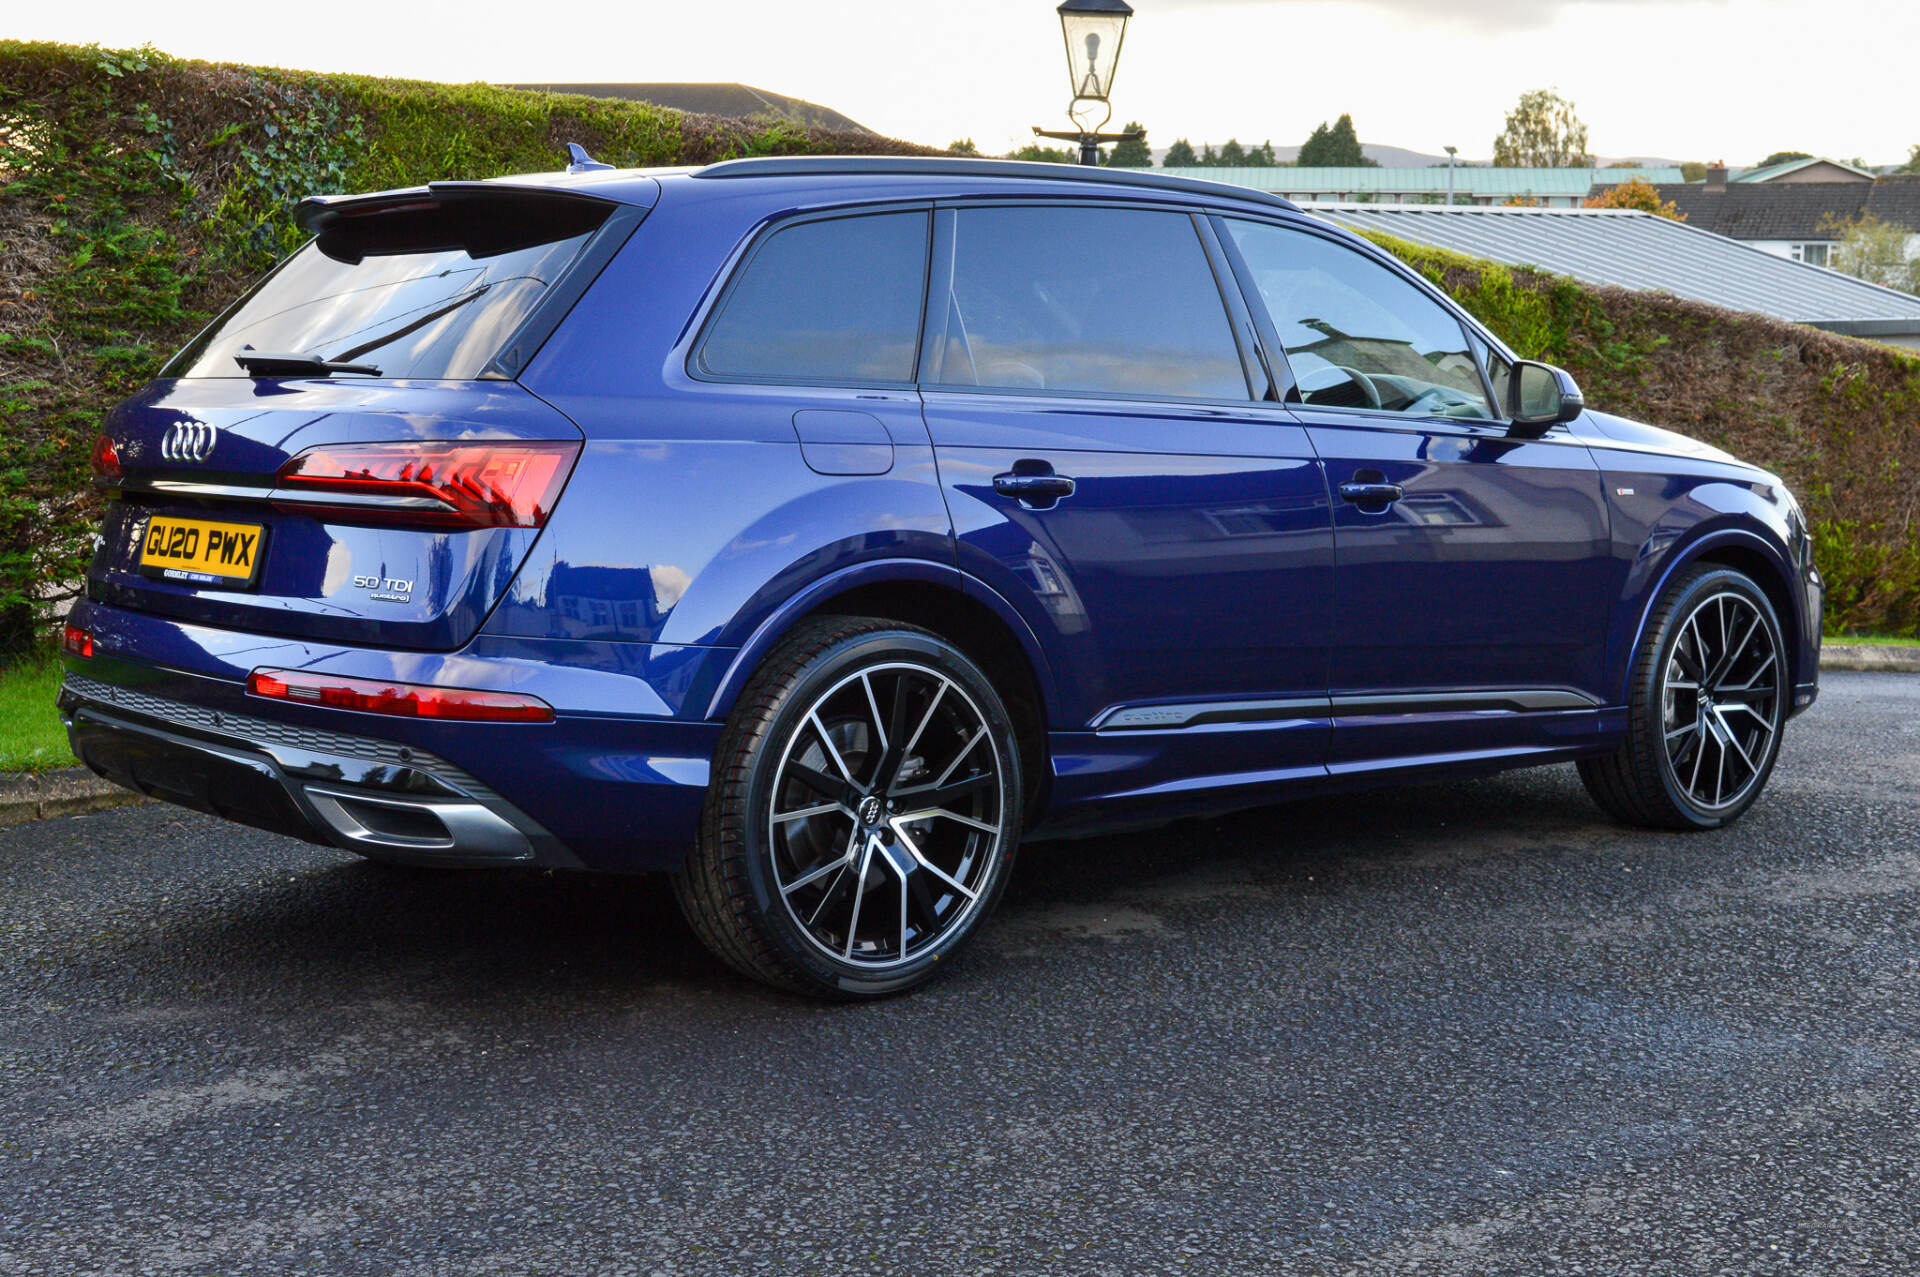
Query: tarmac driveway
{"points": [[1461, 1029]]}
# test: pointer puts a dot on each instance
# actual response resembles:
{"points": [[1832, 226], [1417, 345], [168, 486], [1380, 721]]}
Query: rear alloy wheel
{"points": [[864, 811], [1708, 706]]}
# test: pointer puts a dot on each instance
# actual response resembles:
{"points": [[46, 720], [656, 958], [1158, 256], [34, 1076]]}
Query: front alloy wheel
{"points": [[1706, 707], [865, 807]]}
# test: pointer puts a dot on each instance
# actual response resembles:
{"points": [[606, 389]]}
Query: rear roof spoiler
{"points": [[483, 218]]}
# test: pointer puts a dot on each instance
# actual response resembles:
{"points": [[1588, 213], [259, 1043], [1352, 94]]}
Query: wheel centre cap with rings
{"points": [[870, 810]]}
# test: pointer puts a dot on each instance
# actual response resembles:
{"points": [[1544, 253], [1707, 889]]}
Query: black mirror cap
{"points": [[1541, 396]]}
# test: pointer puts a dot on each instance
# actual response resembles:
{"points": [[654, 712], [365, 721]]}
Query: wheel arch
{"points": [[1750, 554], [964, 611]]}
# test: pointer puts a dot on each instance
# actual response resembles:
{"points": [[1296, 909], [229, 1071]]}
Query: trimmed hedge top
{"points": [[139, 194]]}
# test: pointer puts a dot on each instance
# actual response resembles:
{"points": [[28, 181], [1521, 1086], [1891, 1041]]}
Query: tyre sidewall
{"points": [[770, 910]]}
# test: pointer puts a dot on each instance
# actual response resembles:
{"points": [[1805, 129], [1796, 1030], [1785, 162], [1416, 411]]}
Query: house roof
{"points": [[1799, 211], [738, 101], [1638, 250], [1773, 172], [1468, 179]]}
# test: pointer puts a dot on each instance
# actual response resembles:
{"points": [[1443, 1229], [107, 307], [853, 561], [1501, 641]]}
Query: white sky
{"points": [[1686, 79]]}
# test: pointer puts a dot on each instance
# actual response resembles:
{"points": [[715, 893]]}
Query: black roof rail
{"points": [[917, 166]]}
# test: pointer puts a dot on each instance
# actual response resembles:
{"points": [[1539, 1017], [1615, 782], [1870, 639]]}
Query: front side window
{"points": [[1356, 334], [1086, 300], [835, 300]]}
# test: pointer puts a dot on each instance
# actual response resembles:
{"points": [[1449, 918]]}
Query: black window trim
{"points": [[940, 284], [742, 260], [1471, 329]]}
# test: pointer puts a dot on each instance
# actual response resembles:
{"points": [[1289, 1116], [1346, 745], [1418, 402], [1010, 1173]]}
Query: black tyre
{"points": [[863, 813], [1707, 701]]}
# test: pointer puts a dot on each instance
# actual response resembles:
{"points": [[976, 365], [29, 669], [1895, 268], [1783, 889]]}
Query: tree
{"points": [[964, 146], [1913, 160], [1693, 171], [1542, 132], [1637, 193], [1875, 251], [1044, 154], [1180, 155], [1132, 154], [1334, 146], [1782, 157], [1262, 156], [1233, 155]]}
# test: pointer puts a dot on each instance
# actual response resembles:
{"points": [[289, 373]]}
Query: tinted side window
{"points": [[1356, 334], [1102, 301], [835, 300]]}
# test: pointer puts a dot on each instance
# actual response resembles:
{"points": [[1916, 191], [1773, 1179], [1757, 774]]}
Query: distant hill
{"points": [[733, 101], [1401, 157]]}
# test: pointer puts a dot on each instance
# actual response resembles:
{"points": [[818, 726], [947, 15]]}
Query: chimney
{"points": [[1717, 176]]}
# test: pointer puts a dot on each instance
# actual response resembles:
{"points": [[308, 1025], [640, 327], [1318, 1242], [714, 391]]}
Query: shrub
{"points": [[140, 193]]}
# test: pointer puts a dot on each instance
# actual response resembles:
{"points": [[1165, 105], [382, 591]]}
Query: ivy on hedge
{"points": [[140, 193]]}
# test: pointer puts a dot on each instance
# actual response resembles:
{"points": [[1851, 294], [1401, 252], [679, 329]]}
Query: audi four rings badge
{"points": [[189, 441]]}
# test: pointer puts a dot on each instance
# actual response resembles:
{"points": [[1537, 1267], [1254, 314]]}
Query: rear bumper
{"points": [[357, 793], [614, 783]]}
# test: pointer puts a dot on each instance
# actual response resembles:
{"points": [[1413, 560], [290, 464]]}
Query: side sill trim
{"points": [[1163, 717]]}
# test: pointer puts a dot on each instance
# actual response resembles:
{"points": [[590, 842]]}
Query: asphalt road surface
{"points": [[1460, 1029]]}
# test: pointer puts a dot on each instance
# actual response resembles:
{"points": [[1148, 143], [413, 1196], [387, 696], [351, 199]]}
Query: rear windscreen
{"points": [[419, 305]]}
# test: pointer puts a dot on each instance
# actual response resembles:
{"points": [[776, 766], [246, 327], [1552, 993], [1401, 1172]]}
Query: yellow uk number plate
{"points": [[202, 552]]}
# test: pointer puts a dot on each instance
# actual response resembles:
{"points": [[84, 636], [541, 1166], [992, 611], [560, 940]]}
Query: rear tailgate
{"points": [[277, 559], [344, 455]]}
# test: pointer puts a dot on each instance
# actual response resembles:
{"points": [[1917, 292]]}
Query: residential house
{"points": [[1790, 217]]}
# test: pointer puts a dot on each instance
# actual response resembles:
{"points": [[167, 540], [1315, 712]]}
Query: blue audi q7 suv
{"points": [[815, 530]]}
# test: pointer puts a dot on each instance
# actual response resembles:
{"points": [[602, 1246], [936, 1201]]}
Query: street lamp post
{"points": [[1451, 152], [1094, 31]]}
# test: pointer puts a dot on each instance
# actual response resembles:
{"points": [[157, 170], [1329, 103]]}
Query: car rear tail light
{"points": [[460, 485], [403, 700], [106, 461], [77, 642]]}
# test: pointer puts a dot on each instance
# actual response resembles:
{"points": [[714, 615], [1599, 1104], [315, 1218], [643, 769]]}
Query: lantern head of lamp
{"points": [[1094, 30]]}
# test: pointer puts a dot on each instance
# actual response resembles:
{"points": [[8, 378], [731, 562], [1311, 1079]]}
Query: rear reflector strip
{"points": [[402, 700]]}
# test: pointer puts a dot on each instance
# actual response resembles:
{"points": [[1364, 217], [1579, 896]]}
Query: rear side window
{"points": [[836, 300], [1356, 334], [1091, 300], [431, 294]]}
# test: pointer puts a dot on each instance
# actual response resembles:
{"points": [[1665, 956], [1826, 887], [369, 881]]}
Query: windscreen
{"points": [[437, 313]]}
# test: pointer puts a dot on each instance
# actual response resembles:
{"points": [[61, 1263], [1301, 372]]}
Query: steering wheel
{"points": [[1358, 378]]}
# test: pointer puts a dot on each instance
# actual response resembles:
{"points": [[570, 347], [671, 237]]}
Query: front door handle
{"points": [[1372, 493], [1036, 487]]}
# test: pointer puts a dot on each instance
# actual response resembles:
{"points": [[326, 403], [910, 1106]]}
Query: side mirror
{"points": [[1540, 397]]}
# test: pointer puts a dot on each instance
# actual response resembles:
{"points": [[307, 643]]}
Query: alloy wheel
{"points": [[1720, 698], [887, 814]]}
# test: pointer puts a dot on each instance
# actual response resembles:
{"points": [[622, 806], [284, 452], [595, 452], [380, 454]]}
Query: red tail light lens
{"points": [[77, 642], [403, 700], [462, 485], [106, 461]]}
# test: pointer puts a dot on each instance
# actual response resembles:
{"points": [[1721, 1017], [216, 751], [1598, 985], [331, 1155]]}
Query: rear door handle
{"points": [[1039, 489], [1372, 493]]}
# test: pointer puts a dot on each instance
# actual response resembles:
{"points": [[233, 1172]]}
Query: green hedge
{"points": [[140, 193]]}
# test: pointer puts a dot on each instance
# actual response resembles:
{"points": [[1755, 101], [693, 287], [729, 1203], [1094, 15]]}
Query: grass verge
{"points": [[1871, 640], [31, 738]]}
